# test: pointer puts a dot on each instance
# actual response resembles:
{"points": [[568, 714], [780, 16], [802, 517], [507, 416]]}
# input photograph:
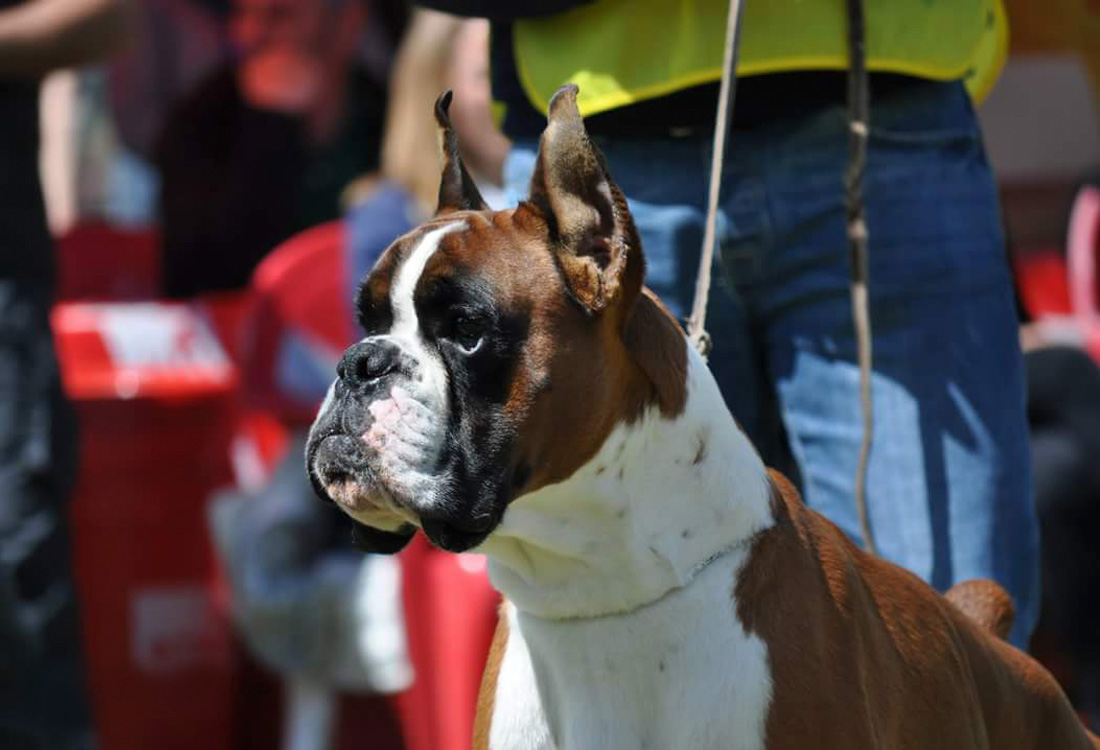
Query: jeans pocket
{"points": [[954, 137], [928, 114]]}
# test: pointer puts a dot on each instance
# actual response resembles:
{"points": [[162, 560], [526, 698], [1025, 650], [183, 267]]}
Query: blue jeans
{"points": [[949, 487]]}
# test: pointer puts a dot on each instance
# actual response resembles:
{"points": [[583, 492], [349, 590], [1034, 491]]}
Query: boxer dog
{"points": [[519, 392]]}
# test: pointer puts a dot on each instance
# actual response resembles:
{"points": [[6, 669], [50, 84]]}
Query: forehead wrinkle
{"points": [[468, 250]]}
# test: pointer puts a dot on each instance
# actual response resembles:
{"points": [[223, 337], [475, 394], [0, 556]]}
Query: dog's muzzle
{"points": [[376, 449]]}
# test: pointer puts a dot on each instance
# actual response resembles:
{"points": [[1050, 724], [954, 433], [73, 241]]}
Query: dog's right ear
{"points": [[457, 191], [378, 542]]}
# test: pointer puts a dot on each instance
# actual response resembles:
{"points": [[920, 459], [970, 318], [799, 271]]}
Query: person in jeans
{"points": [[43, 703], [949, 485]]}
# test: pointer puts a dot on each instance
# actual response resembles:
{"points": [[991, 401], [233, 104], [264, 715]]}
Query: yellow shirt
{"points": [[625, 51]]}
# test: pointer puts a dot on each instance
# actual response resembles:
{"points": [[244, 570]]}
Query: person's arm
{"points": [[40, 36], [502, 10]]}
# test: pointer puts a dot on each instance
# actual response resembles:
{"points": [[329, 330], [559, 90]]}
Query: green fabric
{"points": [[640, 49]]}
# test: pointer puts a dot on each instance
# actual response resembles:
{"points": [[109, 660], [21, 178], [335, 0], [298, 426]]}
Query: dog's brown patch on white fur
{"points": [[864, 655]]}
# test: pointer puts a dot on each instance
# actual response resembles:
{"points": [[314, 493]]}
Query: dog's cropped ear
{"points": [[378, 542], [457, 191], [592, 232]]}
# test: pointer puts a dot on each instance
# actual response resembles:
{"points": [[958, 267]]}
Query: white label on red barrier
{"points": [[151, 335], [175, 628]]}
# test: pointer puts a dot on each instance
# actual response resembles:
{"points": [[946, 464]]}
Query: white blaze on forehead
{"points": [[408, 429], [405, 323]]}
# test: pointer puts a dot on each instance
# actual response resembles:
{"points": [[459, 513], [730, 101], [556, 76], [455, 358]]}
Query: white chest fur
{"points": [[621, 580], [678, 673]]}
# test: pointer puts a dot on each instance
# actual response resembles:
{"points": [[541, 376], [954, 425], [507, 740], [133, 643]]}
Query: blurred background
{"points": [[215, 192]]}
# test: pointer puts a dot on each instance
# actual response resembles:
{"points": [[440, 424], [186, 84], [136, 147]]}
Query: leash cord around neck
{"points": [[856, 224]]}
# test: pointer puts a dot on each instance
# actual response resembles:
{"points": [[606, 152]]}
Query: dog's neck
{"points": [[660, 499]]}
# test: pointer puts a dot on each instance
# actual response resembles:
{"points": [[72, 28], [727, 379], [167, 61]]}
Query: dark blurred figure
{"points": [[266, 144], [177, 44], [43, 703], [1061, 353], [1064, 412]]}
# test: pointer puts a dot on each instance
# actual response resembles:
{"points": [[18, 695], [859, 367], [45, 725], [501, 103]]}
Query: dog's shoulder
{"points": [[833, 615]]}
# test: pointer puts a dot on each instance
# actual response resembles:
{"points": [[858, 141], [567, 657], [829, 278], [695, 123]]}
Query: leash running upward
{"points": [[859, 111], [696, 324], [856, 224]]}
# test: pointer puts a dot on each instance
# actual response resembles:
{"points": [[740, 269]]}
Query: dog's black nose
{"points": [[368, 361]]}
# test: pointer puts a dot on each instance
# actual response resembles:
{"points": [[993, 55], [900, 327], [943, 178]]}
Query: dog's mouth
{"points": [[339, 470]]}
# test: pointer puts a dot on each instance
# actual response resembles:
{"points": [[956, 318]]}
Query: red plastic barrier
{"points": [[97, 261], [450, 616], [154, 390]]}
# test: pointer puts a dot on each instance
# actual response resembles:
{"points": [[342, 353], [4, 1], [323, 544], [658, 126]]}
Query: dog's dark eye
{"points": [[467, 331]]}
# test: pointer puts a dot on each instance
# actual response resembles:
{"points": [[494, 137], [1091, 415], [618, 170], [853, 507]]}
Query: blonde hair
{"points": [[410, 146]]}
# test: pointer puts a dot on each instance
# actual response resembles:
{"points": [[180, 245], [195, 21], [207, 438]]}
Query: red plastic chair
{"points": [[297, 290], [1043, 282], [1082, 249]]}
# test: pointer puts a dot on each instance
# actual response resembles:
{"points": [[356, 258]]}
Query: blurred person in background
{"points": [[264, 146], [177, 44], [948, 482], [43, 703], [439, 52], [1063, 411]]}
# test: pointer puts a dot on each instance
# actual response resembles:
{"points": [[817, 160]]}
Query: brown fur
{"points": [[569, 399], [865, 655], [624, 350], [986, 603], [486, 697]]}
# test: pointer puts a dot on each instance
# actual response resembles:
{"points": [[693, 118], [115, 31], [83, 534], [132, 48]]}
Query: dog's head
{"points": [[501, 348]]}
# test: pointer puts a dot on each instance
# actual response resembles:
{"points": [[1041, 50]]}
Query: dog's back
{"points": [[989, 606], [866, 655], [986, 603]]}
